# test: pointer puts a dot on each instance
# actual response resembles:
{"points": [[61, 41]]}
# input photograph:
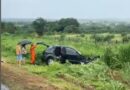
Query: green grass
{"points": [[96, 75]]}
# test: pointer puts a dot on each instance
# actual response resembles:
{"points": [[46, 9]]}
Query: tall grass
{"points": [[95, 74], [118, 58]]}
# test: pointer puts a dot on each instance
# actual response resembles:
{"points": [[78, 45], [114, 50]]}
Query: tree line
{"points": [[66, 25]]}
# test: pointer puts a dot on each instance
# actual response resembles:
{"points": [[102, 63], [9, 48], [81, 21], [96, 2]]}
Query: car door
{"points": [[72, 55]]}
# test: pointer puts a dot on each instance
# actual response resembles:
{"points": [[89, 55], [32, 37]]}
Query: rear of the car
{"points": [[51, 53]]}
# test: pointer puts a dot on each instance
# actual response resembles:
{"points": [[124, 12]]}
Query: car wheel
{"points": [[63, 61], [50, 61]]}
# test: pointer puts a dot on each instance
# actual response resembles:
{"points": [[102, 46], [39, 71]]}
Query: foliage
{"points": [[95, 75], [71, 29], [124, 54], [117, 60], [8, 27], [111, 59], [39, 25], [102, 38], [64, 22], [69, 25], [125, 39], [82, 35]]}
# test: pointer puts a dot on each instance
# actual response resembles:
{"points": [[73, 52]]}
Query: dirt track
{"points": [[18, 79]]}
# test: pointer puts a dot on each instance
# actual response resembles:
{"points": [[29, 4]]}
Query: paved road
{"points": [[3, 87]]}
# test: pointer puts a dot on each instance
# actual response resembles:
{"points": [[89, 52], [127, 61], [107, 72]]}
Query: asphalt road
{"points": [[3, 87]]}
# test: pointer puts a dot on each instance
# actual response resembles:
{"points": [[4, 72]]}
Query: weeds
{"points": [[94, 74]]}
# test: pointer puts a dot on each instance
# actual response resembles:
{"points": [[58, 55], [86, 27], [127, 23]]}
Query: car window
{"points": [[50, 50], [71, 51], [63, 51]]}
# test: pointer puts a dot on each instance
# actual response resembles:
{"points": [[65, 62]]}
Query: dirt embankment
{"points": [[18, 79]]}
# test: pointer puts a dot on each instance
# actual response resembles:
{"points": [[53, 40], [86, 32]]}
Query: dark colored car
{"points": [[63, 53]]}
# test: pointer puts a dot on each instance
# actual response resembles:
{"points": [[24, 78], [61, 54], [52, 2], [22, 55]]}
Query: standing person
{"points": [[33, 53], [19, 54], [24, 53]]}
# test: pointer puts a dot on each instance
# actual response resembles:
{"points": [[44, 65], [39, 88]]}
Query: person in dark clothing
{"points": [[24, 53]]}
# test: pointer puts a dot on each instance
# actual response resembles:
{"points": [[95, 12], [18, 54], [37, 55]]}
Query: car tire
{"points": [[63, 61], [50, 61]]}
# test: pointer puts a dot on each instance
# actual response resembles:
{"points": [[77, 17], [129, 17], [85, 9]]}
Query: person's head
{"points": [[19, 45]]}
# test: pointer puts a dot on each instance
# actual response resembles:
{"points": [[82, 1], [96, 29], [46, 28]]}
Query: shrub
{"points": [[123, 34], [117, 60], [39, 59], [82, 35], [125, 39], [62, 37], [124, 54], [97, 38], [111, 59], [108, 37]]}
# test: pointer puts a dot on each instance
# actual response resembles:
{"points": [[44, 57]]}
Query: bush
{"points": [[39, 59], [97, 38], [82, 35], [125, 39], [117, 60], [111, 59], [101, 38], [123, 34], [62, 37], [108, 37], [124, 54], [6, 33]]}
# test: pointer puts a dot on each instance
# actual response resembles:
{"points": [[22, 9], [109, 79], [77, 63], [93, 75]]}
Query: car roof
{"points": [[61, 46]]}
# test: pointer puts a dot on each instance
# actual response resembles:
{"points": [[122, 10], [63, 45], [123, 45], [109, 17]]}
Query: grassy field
{"points": [[93, 76]]}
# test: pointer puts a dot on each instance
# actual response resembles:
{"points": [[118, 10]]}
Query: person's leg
{"points": [[20, 60], [32, 59], [17, 57], [23, 60]]}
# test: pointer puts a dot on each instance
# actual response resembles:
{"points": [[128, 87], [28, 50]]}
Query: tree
{"points": [[67, 22], [39, 25], [8, 27], [52, 26], [71, 29], [2, 27], [125, 39]]}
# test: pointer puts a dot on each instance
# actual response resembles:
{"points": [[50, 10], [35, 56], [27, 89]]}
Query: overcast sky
{"points": [[56, 9]]}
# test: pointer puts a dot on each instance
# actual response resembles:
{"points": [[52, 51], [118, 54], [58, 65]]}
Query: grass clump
{"points": [[117, 60]]}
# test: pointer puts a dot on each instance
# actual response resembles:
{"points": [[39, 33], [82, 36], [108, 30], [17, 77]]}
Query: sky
{"points": [[56, 9]]}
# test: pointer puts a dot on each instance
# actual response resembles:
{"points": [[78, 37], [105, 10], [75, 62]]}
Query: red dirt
{"points": [[18, 79]]}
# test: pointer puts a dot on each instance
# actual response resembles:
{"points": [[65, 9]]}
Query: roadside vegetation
{"points": [[110, 72], [110, 42]]}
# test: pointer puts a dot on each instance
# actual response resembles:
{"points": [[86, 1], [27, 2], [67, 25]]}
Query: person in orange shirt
{"points": [[33, 53], [19, 54]]}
